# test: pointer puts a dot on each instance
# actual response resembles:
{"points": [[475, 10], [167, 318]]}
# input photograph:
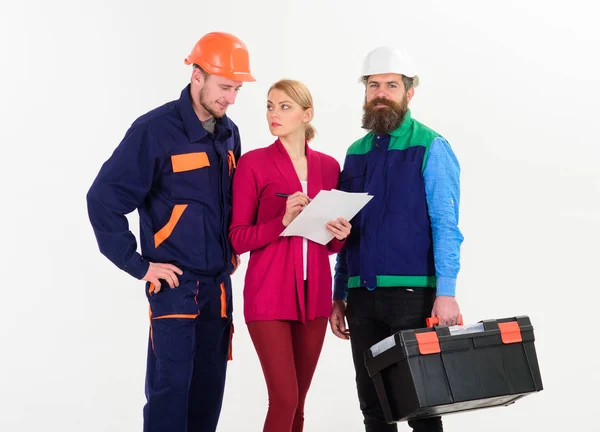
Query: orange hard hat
{"points": [[222, 54]]}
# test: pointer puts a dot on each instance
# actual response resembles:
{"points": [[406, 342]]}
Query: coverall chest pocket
{"points": [[352, 178], [191, 175], [404, 184]]}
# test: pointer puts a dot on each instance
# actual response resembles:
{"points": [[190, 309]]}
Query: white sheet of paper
{"points": [[326, 206]]}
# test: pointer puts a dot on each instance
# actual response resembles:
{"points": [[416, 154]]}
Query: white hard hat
{"points": [[389, 60]]}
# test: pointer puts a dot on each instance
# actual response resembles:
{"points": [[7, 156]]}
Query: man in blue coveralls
{"points": [[175, 166], [399, 264]]}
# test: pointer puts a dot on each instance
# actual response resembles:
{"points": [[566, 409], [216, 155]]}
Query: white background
{"points": [[513, 85]]}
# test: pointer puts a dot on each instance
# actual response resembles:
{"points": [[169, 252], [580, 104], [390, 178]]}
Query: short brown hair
{"points": [[204, 73]]}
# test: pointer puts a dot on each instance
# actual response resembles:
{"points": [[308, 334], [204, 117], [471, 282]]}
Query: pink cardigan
{"points": [[274, 285]]}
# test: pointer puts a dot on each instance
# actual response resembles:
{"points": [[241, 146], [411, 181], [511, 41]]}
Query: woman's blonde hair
{"points": [[299, 94]]}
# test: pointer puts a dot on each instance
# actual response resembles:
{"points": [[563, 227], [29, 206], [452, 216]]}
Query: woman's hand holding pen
{"points": [[340, 228], [295, 204]]}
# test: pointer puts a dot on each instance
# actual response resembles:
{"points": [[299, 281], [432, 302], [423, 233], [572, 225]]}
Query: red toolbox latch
{"points": [[510, 332], [428, 343]]}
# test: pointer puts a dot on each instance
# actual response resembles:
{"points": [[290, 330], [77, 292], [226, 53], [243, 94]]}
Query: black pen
{"points": [[282, 195]]}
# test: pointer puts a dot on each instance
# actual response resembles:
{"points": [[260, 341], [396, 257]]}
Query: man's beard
{"points": [[384, 120], [207, 107]]}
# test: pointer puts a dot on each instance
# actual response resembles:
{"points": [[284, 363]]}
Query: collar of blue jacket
{"points": [[193, 126]]}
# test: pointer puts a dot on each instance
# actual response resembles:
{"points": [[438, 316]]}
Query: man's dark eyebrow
{"points": [[387, 82]]}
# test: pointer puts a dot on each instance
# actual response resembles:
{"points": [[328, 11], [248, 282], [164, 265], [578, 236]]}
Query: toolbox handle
{"points": [[433, 321]]}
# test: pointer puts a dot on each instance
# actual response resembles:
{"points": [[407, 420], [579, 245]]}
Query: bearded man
{"points": [[400, 263]]}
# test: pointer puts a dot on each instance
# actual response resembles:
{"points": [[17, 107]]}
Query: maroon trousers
{"points": [[288, 353]]}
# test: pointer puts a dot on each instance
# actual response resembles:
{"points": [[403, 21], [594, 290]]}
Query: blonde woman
{"points": [[287, 292]]}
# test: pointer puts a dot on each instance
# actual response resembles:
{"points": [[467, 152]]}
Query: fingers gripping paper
{"points": [[326, 206]]}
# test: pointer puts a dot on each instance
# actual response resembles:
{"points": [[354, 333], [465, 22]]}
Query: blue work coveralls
{"points": [[178, 177]]}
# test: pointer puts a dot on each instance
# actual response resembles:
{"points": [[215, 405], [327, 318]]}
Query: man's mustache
{"points": [[380, 101]]}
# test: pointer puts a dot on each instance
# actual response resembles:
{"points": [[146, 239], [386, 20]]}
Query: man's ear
{"points": [[198, 77]]}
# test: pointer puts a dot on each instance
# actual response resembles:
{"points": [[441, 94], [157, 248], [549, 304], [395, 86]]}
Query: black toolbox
{"points": [[446, 370]]}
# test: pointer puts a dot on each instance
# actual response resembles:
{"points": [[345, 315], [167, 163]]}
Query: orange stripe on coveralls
{"points": [[230, 351], [231, 160], [223, 301], [235, 263], [190, 316], [166, 231], [189, 161]]}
